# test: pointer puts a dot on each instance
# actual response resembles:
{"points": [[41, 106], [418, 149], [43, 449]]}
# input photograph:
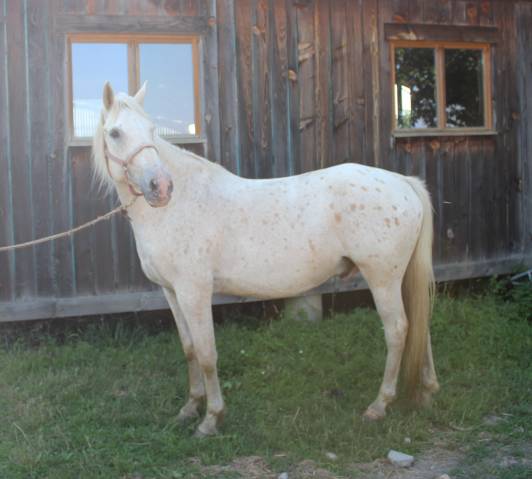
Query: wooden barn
{"points": [[268, 88]]}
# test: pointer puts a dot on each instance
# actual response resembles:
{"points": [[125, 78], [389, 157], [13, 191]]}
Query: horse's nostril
{"points": [[153, 185]]}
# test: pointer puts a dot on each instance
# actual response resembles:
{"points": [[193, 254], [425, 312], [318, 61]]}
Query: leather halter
{"points": [[125, 163]]}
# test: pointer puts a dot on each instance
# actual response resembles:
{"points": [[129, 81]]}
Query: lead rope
{"points": [[70, 232]]}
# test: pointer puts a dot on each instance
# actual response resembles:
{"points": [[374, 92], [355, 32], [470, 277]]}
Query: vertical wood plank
{"points": [[72, 7], [307, 85], [246, 68], [261, 90], [294, 143], [143, 7], [524, 74], [279, 89], [63, 265], [355, 46], [229, 102], [85, 245], [415, 10], [503, 176], [341, 100], [39, 23], [438, 11], [323, 55], [211, 105], [458, 14], [7, 234], [17, 72], [486, 12], [370, 103]]}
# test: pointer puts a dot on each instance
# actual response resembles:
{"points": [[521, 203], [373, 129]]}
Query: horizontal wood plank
{"points": [[451, 33], [131, 24], [40, 308]]}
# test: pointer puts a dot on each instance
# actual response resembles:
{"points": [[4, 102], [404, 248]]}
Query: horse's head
{"points": [[125, 150]]}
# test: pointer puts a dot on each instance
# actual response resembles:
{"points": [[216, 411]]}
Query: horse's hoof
{"points": [[184, 417], [372, 415], [203, 432], [425, 399]]}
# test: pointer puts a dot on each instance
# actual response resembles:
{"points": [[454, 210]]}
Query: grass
{"points": [[103, 404]]}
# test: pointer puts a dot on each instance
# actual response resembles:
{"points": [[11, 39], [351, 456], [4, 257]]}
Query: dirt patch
{"points": [[497, 462], [254, 467], [428, 465]]}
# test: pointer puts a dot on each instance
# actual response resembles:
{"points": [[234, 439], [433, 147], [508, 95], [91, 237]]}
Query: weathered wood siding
{"points": [[288, 86]]}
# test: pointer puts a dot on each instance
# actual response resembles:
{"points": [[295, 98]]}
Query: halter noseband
{"points": [[125, 163]]}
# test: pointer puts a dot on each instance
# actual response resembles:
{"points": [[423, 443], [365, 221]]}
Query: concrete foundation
{"points": [[308, 308]]}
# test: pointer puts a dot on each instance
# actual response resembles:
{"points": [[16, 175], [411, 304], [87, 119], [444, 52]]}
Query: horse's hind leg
{"points": [[429, 378], [389, 303], [196, 392]]}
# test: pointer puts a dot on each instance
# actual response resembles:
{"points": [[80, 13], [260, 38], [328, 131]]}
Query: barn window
{"points": [[441, 88], [169, 64]]}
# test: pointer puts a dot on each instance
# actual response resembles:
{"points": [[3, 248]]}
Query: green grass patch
{"points": [[104, 403]]}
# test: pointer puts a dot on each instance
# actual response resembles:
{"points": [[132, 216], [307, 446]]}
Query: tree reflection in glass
{"points": [[415, 88], [463, 88]]}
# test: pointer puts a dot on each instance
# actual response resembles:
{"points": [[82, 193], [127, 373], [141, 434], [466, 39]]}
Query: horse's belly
{"points": [[266, 278]]}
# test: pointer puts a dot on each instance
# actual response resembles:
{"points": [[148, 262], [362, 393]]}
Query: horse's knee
{"points": [[188, 350], [207, 361]]}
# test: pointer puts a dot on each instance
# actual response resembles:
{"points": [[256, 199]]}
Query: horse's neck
{"points": [[184, 168]]}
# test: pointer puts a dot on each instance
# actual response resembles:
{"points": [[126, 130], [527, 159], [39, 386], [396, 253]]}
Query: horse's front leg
{"points": [[196, 391], [194, 299]]}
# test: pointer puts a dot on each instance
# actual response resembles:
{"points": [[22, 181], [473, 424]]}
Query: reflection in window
{"points": [[463, 88], [170, 101], [415, 88], [92, 65]]}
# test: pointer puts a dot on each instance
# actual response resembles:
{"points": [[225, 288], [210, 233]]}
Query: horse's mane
{"points": [[167, 150]]}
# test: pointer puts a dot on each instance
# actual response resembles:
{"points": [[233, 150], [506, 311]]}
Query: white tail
{"points": [[418, 295]]}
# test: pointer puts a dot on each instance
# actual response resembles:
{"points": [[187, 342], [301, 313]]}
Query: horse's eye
{"points": [[114, 133]]}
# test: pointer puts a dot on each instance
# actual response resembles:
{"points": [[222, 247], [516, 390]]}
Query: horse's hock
{"points": [[309, 307]]}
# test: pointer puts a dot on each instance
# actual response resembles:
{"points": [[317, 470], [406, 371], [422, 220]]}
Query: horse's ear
{"points": [[108, 96], [139, 97]]}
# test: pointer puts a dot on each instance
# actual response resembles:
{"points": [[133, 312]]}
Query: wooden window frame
{"points": [[133, 74], [439, 60]]}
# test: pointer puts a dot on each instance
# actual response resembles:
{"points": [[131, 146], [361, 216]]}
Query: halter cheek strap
{"points": [[125, 163]]}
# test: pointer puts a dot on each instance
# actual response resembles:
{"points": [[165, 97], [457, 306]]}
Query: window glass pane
{"points": [[415, 88], [170, 74], [463, 88], [92, 65]]}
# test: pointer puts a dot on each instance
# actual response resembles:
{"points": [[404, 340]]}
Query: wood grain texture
{"points": [[279, 82], [245, 29], [293, 133], [211, 108], [63, 265], [20, 137], [38, 25], [340, 88], [287, 86], [449, 33], [7, 234], [261, 90], [132, 24], [228, 96], [524, 146], [306, 48]]}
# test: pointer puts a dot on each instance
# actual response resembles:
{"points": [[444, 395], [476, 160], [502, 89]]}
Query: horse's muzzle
{"points": [[159, 190]]}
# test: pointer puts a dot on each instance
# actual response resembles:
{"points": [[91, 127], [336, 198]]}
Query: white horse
{"points": [[273, 238]]}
